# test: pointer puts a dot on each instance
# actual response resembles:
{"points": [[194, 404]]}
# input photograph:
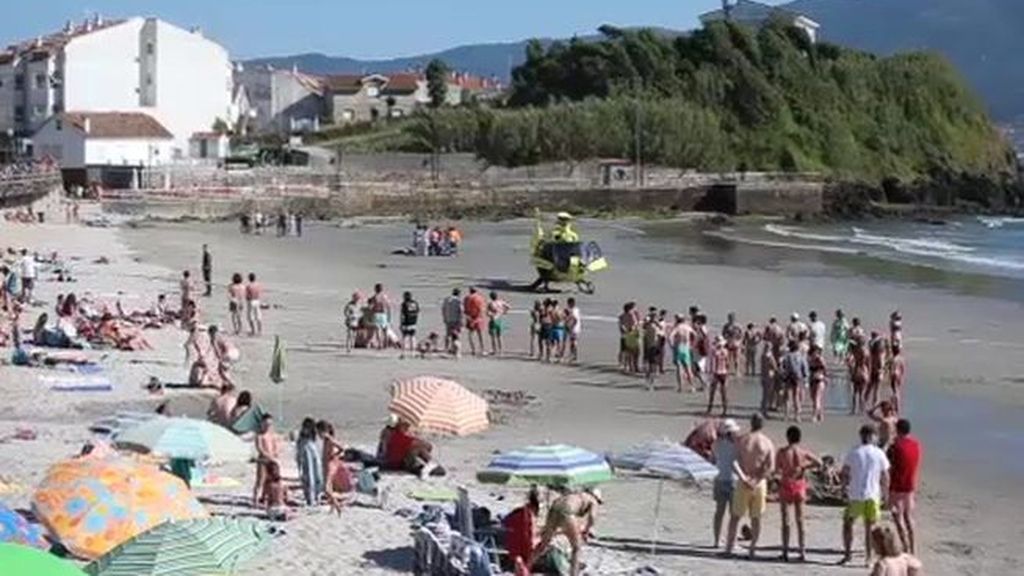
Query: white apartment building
{"points": [[177, 76]]}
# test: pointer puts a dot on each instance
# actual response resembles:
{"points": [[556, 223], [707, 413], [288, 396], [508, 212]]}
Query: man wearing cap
{"points": [[755, 461], [866, 477], [723, 454]]}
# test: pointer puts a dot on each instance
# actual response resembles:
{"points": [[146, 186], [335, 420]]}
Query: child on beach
{"points": [[430, 346], [496, 311], [409, 315], [573, 323]]}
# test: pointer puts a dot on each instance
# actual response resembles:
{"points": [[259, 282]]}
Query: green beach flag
{"points": [[277, 362]]}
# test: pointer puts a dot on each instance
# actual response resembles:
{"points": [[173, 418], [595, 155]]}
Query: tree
{"points": [[437, 82]]}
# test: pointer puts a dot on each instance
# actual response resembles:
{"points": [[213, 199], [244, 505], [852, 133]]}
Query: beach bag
{"points": [[366, 482]]}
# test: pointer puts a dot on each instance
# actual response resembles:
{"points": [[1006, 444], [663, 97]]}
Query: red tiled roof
{"points": [[130, 125], [7, 57], [344, 83], [402, 83]]}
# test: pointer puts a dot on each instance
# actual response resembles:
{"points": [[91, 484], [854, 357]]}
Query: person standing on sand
{"points": [[268, 452], [409, 315], [475, 308], [574, 323], [877, 352], [751, 338], [451, 314], [380, 308], [733, 334], [27, 265], [794, 372], [629, 338], [186, 288], [905, 458], [769, 379], [797, 330], [892, 560], [573, 515], [897, 376], [723, 456], [719, 369], [236, 298], [866, 478], [652, 333], [755, 461], [819, 378], [817, 330], [681, 339], [885, 418], [207, 271], [775, 336], [536, 334], [792, 462], [496, 311], [351, 314], [253, 305], [840, 336]]}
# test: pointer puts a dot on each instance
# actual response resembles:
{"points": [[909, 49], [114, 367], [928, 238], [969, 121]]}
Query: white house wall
{"points": [[65, 146], [135, 152], [193, 83], [101, 72], [7, 100]]}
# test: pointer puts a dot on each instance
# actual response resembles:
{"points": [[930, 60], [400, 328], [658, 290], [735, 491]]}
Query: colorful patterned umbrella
{"points": [[93, 504], [15, 529], [206, 546], [551, 465], [18, 560], [437, 405], [185, 438], [667, 459]]}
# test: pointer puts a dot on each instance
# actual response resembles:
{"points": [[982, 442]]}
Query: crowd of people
{"points": [[285, 223]]}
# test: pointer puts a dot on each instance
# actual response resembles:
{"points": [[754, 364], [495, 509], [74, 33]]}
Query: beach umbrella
{"points": [[93, 504], [665, 460], [15, 529], [440, 406], [18, 560], [550, 465], [186, 438], [183, 548]]}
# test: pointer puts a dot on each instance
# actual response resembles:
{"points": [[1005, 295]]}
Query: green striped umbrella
{"points": [[208, 546], [551, 465], [16, 560]]}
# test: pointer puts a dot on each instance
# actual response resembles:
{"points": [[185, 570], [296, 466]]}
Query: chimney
{"points": [[87, 25], [38, 43], [97, 20], [69, 27], [87, 125]]}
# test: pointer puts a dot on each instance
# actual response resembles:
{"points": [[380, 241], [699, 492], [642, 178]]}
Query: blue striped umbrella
{"points": [[185, 438], [551, 465], [185, 548], [15, 529], [667, 459]]}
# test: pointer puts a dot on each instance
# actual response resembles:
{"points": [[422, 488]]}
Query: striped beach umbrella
{"points": [[18, 560], [440, 406], [15, 529], [185, 438], [93, 504], [184, 548], [550, 465], [667, 459]]}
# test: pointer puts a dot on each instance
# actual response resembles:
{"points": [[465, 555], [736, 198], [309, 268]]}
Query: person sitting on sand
{"points": [[221, 407], [407, 453], [892, 560], [573, 515], [385, 436], [702, 438], [431, 345], [242, 405], [520, 532], [274, 489]]}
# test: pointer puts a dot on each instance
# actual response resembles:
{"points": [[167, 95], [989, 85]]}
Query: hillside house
{"points": [[756, 14], [280, 101]]}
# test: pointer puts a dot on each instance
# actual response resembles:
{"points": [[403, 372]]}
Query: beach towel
{"points": [[120, 421], [430, 494], [77, 383]]}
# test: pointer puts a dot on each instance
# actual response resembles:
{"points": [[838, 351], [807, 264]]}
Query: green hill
{"points": [[733, 98]]}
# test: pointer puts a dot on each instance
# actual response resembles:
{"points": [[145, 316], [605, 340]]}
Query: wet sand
{"points": [[965, 396]]}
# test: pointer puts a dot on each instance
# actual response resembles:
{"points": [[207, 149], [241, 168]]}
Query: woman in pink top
{"points": [[236, 296], [892, 561]]}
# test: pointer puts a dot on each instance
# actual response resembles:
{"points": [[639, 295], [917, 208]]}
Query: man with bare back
{"points": [[755, 461], [681, 339], [776, 336]]}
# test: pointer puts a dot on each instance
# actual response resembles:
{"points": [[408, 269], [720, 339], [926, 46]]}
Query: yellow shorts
{"points": [[869, 510], [749, 501]]}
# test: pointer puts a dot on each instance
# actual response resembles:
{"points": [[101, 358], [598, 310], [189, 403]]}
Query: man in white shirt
{"points": [[818, 330], [27, 264], [866, 477]]}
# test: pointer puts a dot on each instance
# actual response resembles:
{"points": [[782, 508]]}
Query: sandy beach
{"points": [[965, 394]]}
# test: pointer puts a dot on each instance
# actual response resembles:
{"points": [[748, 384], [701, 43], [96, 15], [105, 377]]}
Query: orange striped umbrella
{"points": [[441, 406]]}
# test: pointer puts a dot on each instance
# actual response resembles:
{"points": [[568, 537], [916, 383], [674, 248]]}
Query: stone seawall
{"points": [[787, 198]]}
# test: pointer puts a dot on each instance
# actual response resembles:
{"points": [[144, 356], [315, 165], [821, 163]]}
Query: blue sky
{"points": [[381, 28]]}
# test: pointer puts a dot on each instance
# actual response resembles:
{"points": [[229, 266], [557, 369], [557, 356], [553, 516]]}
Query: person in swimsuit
{"points": [[681, 339], [337, 479], [496, 311], [877, 349], [558, 333], [885, 417], [719, 375], [236, 296], [791, 463], [536, 335], [451, 315], [776, 336], [652, 333], [723, 456], [572, 515], [897, 375], [574, 323], [733, 334], [629, 338], [186, 288], [380, 307], [352, 314], [207, 268], [819, 377], [892, 560], [755, 461], [253, 301], [662, 339], [895, 328], [859, 370], [769, 380], [475, 308], [794, 372], [268, 451], [409, 315], [751, 339]]}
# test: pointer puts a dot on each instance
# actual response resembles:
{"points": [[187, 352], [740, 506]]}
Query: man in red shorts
{"points": [[475, 308], [905, 459]]}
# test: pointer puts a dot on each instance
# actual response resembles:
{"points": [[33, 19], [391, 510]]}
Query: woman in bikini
{"points": [[236, 299], [536, 334], [572, 515], [336, 476], [819, 375], [791, 463]]}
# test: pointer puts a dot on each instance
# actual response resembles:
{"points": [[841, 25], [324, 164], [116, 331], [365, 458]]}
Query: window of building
{"points": [[150, 49], [40, 81], [19, 113], [1, 82], [58, 124], [38, 111], [149, 79], [57, 108], [19, 82]]}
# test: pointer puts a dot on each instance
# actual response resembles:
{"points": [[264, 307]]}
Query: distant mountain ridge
{"points": [[983, 38]]}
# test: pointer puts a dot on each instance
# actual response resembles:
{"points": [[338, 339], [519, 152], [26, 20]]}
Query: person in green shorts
{"points": [[496, 311], [866, 477]]}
